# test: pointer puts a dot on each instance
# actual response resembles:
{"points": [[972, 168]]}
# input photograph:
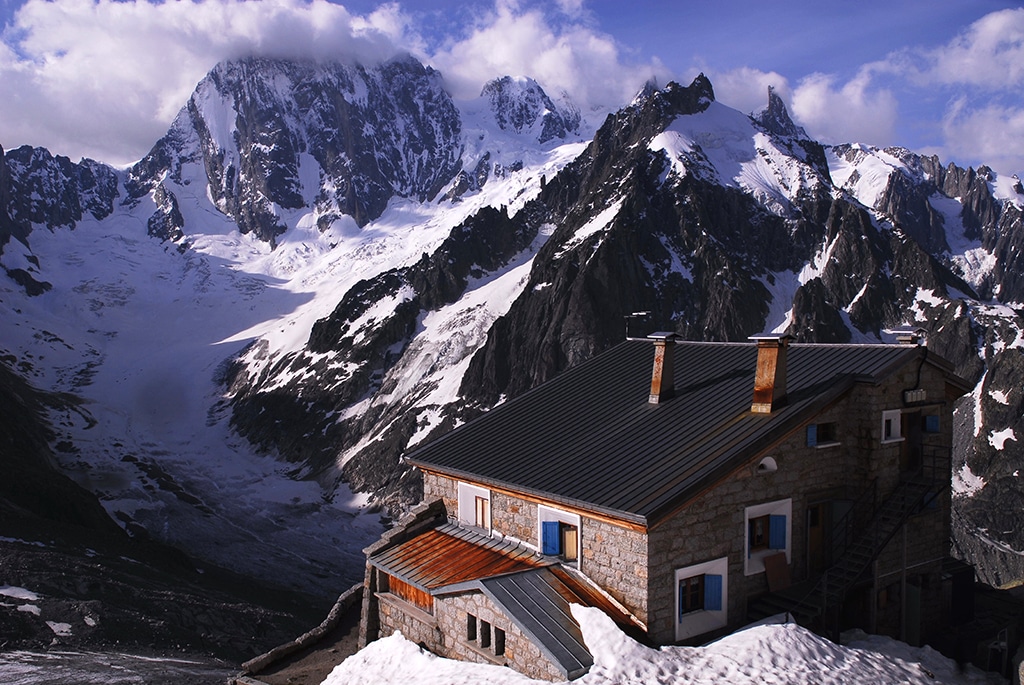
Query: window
{"points": [[485, 634], [499, 642], [757, 533], [768, 529], [559, 533], [822, 434], [483, 512], [891, 428], [474, 506], [931, 423], [691, 594], [701, 592]]}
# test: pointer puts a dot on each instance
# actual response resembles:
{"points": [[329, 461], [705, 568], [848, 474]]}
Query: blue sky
{"points": [[104, 78]]}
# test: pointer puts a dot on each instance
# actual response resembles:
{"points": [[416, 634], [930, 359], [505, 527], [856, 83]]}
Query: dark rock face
{"points": [[521, 105], [775, 118], [374, 345], [37, 188], [252, 125]]}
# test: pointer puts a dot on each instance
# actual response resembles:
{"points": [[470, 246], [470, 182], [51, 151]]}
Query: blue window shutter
{"points": [[777, 532], [812, 435], [931, 423], [550, 539], [712, 592]]}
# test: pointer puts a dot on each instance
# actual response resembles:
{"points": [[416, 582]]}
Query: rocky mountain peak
{"points": [[521, 105], [272, 136], [775, 117]]}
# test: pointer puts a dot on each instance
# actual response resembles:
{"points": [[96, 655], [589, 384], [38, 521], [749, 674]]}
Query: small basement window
{"points": [[499, 642], [470, 628], [485, 634]]}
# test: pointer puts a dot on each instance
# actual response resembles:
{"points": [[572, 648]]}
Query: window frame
{"points": [[565, 519], [468, 507], [893, 418], [707, 618], [823, 434], [779, 531]]}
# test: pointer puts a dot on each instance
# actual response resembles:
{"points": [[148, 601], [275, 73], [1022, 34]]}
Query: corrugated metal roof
{"points": [[589, 437], [448, 555]]}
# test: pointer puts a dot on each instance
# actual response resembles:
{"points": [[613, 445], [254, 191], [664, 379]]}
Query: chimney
{"points": [[663, 383], [770, 380]]}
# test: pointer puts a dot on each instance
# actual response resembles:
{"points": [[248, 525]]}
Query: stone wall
{"points": [[713, 525], [639, 570], [520, 651], [614, 557]]}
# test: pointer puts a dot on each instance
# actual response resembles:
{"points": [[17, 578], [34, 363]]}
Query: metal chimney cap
{"points": [[667, 336]]}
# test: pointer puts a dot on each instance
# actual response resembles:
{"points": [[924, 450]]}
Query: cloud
{"points": [[846, 113], [570, 57], [746, 89], [988, 55], [987, 134], [104, 78]]}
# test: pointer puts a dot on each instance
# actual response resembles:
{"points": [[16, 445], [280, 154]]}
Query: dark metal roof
{"points": [[589, 438], [448, 555], [536, 601]]}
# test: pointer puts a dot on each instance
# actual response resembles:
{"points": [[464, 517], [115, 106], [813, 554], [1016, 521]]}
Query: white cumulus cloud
{"points": [[569, 57], [104, 78], [746, 89], [854, 111]]}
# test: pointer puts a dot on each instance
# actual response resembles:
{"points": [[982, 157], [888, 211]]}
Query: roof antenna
{"points": [[629, 319]]}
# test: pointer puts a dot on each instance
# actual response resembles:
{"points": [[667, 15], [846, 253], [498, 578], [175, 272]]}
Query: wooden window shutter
{"points": [[551, 542], [777, 532], [712, 592]]}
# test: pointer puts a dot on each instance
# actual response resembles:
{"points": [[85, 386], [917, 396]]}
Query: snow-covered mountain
{"points": [[320, 266]]}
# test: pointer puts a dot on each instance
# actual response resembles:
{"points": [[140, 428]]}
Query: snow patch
{"points": [[765, 654], [966, 483], [998, 438], [18, 593], [62, 629]]}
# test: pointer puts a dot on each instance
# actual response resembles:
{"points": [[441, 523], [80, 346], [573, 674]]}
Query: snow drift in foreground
{"points": [[781, 653]]}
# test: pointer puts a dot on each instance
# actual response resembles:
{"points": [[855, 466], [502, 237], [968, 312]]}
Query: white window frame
{"points": [[754, 561], [467, 505], [705, 620], [545, 513], [896, 416]]}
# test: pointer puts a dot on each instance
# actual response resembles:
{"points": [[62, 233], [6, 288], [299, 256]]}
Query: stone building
{"points": [[727, 483]]}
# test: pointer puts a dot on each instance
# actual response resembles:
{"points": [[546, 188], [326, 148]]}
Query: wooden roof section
{"points": [[589, 439], [451, 555]]}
